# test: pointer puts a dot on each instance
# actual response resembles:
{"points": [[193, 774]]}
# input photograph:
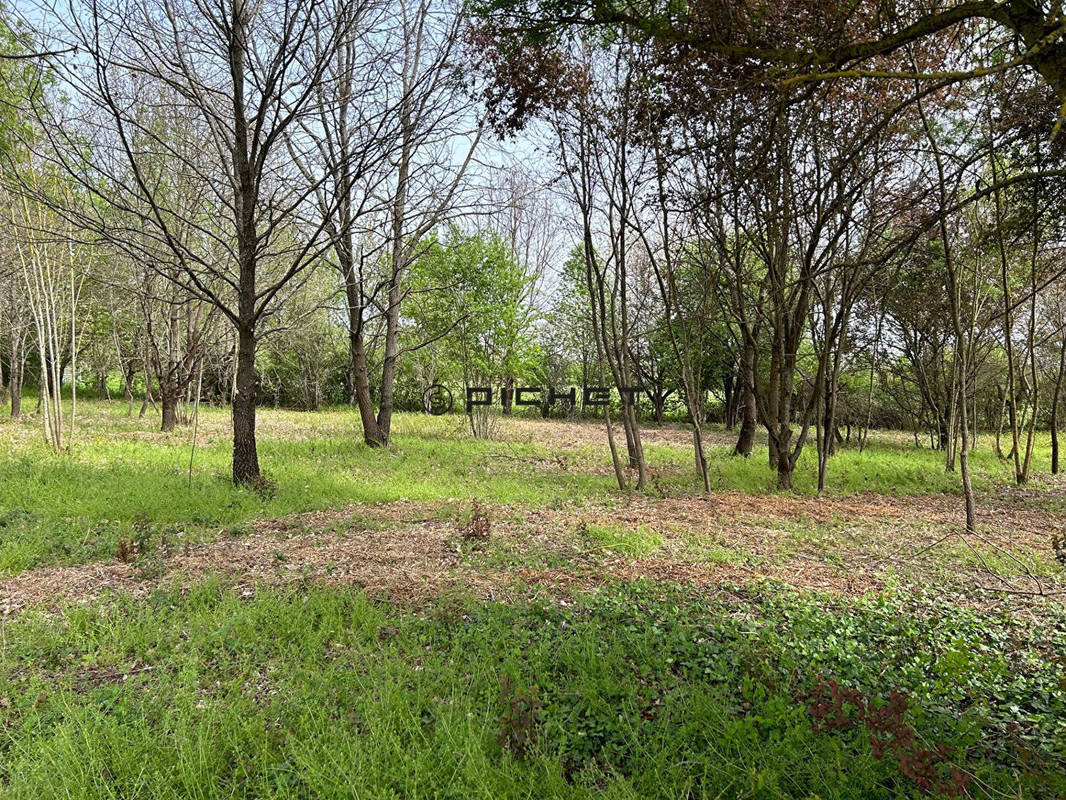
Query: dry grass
{"points": [[413, 552]]}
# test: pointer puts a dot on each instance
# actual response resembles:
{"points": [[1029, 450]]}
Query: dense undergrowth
{"points": [[635, 691]]}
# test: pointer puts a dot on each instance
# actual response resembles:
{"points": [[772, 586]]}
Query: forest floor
{"points": [[530, 520], [413, 551]]}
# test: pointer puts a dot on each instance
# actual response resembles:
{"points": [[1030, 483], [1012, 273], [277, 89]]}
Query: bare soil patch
{"points": [[413, 551]]}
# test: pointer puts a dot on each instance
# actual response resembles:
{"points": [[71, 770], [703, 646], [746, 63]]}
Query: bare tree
{"points": [[177, 330], [15, 324], [395, 140], [955, 302], [233, 79], [47, 256], [595, 132]]}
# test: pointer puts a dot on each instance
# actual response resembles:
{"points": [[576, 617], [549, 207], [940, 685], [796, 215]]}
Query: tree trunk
{"points": [[746, 440], [785, 468], [507, 396], [1055, 399], [729, 389], [168, 400], [658, 404], [361, 383], [17, 371], [16, 397], [399, 259], [127, 379], [388, 370], [245, 456], [961, 344]]}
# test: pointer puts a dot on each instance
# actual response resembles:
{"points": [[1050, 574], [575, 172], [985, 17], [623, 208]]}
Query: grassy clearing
{"points": [[72, 509], [68, 509], [632, 692], [236, 688]]}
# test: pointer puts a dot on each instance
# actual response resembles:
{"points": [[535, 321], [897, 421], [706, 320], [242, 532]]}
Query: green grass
{"points": [[69, 509], [885, 467], [74, 508], [645, 691], [640, 692], [634, 541]]}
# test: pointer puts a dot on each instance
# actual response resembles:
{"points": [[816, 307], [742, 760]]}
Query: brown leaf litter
{"points": [[412, 551]]}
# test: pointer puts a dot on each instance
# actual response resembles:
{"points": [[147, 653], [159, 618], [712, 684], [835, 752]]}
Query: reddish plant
{"points": [[478, 526], [126, 551], [519, 718], [835, 707]]}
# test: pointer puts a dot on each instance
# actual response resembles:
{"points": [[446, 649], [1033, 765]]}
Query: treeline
{"points": [[893, 230], [339, 203]]}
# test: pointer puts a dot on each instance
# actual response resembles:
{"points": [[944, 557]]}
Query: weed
{"points": [[265, 487], [142, 532], [149, 567], [126, 551], [833, 707], [475, 526], [519, 717], [1058, 547]]}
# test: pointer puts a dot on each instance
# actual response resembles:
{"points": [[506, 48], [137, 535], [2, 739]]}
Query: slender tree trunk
{"points": [[999, 424], [361, 383], [507, 396], [127, 380], [1055, 400], [961, 346], [948, 434], [18, 370], [399, 257], [830, 433], [389, 367], [1034, 377], [729, 415], [1008, 328], [783, 440], [749, 420], [616, 461], [864, 435], [358, 374]]}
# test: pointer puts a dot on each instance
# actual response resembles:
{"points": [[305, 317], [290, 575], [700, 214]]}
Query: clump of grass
{"points": [[636, 541]]}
